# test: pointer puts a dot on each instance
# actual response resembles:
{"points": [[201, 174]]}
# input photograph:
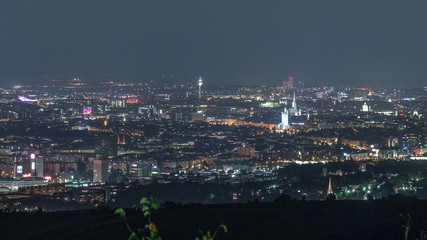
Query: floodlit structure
{"points": [[330, 190], [365, 107], [294, 111], [200, 83], [285, 119]]}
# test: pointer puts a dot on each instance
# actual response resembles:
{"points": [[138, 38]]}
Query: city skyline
{"points": [[70, 144], [203, 119]]}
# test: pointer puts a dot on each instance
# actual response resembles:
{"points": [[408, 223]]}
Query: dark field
{"points": [[379, 219]]}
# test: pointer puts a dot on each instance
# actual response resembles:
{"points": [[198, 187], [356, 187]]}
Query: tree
{"points": [[150, 230], [117, 176], [331, 197]]}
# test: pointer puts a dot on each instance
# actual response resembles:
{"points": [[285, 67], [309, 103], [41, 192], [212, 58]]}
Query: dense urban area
{"points": [[75, 144]]}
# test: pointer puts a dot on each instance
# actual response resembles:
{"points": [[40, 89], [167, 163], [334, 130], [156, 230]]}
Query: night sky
{"points": [[342, 42]]}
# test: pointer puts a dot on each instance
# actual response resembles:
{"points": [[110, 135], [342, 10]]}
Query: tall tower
{"points": [[200, 83]]}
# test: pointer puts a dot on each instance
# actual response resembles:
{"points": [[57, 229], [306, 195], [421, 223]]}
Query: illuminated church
{"points": [[294, 111]]}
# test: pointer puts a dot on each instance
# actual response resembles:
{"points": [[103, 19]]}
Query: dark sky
{"points": [[345, 42]]}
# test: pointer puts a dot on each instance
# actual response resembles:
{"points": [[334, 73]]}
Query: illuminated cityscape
{"points": [[71, 144], [76, 134], [213, 119]]}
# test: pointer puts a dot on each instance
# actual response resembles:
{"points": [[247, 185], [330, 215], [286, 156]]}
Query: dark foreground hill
{"points": [[379, 219]]}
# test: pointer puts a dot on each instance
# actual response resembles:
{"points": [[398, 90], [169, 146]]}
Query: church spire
{"points": [[330, 190], [294, 102], [331, 195]]}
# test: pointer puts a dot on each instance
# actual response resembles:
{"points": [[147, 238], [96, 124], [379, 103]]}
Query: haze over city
{"points": [[208, 120], [343, 43]]}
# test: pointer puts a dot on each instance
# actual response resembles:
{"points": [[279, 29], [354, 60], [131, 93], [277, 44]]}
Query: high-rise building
{"points": [[100, 170], [144, 170], [36, 165], [117, 103], [148, 112], [39, 166], [291, 82], [287, 85], [102, 108], [341, 96]]}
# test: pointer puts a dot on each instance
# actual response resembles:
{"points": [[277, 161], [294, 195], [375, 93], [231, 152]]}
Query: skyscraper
{"points": [[100, 170], [288, 85], [36, 165], [290, 82], [39, 166]]}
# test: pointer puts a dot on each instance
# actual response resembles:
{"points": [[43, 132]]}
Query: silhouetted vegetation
{"points": [[283, 219]]}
